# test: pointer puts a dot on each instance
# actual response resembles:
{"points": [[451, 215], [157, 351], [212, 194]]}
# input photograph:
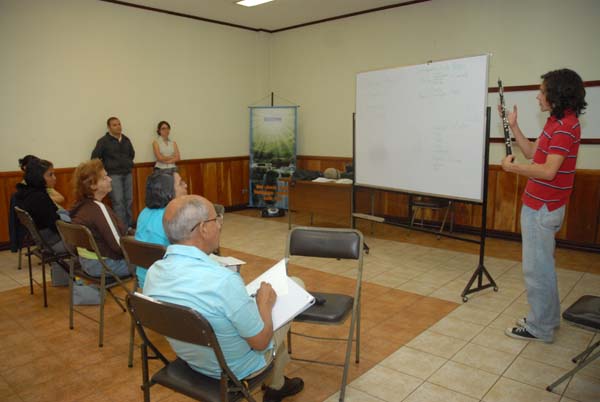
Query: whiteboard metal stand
{"points": [[481, 271], [366, 247]]}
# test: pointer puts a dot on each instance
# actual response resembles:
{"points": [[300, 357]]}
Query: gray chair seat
{"points": [[585, 312], [179, 376], [335, 309]]}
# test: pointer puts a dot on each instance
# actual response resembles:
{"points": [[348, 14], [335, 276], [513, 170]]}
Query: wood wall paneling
{"points": [[582, 217], [583, 213], [225, 180], [222, 180], [505, 203], [209, 181]]}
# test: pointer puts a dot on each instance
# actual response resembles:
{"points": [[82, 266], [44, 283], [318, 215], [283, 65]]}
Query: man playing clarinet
{"points": [[550, 183]]}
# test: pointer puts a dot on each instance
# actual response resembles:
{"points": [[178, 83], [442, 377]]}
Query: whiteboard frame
{"points": [[485, 143]]}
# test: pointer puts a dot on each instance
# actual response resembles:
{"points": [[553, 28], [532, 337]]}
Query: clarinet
{"points": [[507, 140]]}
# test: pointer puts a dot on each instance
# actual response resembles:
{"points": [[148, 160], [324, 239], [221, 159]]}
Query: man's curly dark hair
{"points": [[564, 91]]}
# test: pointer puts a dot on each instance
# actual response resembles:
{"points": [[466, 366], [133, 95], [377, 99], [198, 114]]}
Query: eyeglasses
{"points": [[218, 219]]}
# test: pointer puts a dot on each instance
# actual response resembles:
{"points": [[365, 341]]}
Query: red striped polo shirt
{"points": [[561, 137]]}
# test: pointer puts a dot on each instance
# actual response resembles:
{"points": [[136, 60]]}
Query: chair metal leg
{"points": [[451, 207], [583, 355], [581, 364], [102, 299], [289, 341], [116, 299], [357, 357], [30, 273], [71, 290], [347, 359], [20, 263], [414, 215], [44, 283], [145, 375], [131, 342], [444, 220]]}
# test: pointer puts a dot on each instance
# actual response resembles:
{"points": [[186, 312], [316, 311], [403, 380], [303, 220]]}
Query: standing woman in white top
{"points": [[165, 150]]}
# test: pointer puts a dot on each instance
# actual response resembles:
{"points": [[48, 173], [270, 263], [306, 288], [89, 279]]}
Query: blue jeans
{"points": [[121, 197], [94, 267], [537, 230]]}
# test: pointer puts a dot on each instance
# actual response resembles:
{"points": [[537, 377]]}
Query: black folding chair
{"points": [[42, 250], [419, 204], [584, 313], [331, 308], [143, 255], [186, 325], [78, 236], [19, 238]]}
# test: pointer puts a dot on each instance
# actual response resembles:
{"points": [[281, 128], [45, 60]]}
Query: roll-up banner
{"points": [[273, 131]]}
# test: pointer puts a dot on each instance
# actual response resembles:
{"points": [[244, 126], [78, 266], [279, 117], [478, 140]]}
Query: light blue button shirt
{"points": [[187, 276], [150, 229]]}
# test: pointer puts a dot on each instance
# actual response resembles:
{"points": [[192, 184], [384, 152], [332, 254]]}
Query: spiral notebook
{"points": [[292, 299]]}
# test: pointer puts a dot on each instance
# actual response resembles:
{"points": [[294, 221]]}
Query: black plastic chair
{"points": [[331, 308], [42, 250], [143, 255], [584, 313], [78, 236], [186, 325]]}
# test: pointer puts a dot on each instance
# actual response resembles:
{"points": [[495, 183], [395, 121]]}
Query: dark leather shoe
{"points": [[291, 386]]}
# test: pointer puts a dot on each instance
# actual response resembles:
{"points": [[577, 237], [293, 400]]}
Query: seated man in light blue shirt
{"points": [[243, 325]]}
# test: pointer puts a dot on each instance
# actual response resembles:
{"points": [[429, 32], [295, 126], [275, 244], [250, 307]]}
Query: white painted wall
{"points": [[67, 65], [316, 66]]}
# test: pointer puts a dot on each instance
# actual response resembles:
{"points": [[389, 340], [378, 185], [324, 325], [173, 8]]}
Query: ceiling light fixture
{"points": [[252, 3]]}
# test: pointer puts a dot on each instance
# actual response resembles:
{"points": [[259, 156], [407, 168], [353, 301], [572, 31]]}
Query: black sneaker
{"points": [[291, 386], [521, 333], [522, 321]]}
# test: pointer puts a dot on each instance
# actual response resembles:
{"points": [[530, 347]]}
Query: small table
{"points": [[331, 199]]}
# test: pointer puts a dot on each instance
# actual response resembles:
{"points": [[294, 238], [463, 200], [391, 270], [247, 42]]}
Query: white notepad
{"points": [[231, 263], [292, 299]]}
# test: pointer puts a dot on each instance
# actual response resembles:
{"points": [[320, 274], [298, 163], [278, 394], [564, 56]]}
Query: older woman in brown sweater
{"points": [[92, 184]]}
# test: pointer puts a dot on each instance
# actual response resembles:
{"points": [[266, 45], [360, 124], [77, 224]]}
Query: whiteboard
{"points": [[421, 129], [531, 120]]}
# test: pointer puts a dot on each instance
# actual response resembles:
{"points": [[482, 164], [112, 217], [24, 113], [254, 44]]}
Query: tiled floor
{"points": [[417, 345]]}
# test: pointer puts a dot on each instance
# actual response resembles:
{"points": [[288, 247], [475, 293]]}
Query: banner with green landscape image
{"points": [[273, 131]]}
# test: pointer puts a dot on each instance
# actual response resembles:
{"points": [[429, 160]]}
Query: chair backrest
{"points": [[430, 202], [325, 243], [141, 253], [19, 236], [27, 221], [74, 235], [174, 321]]}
